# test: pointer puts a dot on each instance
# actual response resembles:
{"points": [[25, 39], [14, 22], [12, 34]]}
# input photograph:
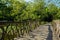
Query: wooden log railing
{"points": [[4, 31], [10, 30], [56, 28]]}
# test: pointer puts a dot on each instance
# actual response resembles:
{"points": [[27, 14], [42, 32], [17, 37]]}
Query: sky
{"points": [[56, 2], [28, 0]]}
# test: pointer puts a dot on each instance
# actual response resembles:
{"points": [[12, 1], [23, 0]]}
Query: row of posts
{"points": [[11, 30]]}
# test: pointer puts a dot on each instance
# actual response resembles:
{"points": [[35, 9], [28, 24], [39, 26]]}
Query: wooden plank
{"points": [[56, 27]]}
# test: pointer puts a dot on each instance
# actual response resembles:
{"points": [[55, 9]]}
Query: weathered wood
{"points": [[56, 27], [22, 28], [6, 24]]}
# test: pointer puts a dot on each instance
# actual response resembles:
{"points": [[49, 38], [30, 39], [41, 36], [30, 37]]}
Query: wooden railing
{"points": [[56, 28], [10, 30]]}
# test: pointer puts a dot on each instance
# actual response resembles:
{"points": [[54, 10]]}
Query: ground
{"points": [[43, 32]]}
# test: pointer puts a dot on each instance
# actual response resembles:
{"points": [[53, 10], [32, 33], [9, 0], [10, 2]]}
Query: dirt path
{"points": [[43, 32]]}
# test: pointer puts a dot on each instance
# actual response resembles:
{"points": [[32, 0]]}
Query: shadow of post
{"points": [[50, 35]]}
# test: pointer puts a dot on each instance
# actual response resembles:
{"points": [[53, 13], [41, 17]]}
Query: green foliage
{"points": [[17, 10]]}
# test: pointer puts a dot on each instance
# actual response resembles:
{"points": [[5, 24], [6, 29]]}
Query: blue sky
{"points": [[56, 2]]}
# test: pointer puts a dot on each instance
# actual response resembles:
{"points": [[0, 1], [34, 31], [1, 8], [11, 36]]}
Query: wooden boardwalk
{"points": [[43, 32]]}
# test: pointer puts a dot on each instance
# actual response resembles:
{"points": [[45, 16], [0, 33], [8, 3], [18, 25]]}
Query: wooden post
{"points": [[56, 28]]}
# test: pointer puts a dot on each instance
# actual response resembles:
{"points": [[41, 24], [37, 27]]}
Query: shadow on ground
{"points": [[50, 35]]}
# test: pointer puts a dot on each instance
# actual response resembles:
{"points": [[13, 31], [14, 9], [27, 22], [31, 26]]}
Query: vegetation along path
{"points": [[43, 32]]}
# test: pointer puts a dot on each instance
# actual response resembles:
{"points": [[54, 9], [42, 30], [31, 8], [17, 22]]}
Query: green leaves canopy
{"points": [[14, 10]]}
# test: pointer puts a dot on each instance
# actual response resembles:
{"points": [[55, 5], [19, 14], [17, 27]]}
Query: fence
{"points": [[10, 30], [56, 28]]}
